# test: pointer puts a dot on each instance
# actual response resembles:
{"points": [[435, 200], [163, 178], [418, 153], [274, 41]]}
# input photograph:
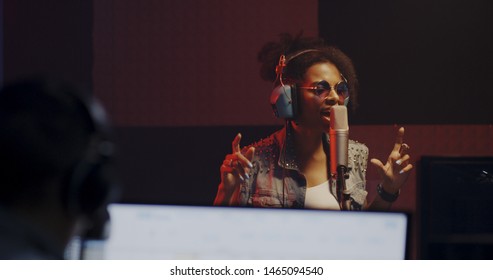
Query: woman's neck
{"points": [[308, 143]]}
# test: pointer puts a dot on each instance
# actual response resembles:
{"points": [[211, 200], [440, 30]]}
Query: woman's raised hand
{"points": [[234, 170], [396, 170]]}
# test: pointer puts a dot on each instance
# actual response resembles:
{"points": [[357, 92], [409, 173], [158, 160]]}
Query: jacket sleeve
{"points": [[357, 164]]}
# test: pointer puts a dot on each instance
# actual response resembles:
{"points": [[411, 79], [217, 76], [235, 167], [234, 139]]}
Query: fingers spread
{"points": [[404, 149], [237, 163], [236, 143], [398, 140], [226, 166], [406, 168], [249, 153], [377, 163], [403, 160], [227, 162], [243, 161]]}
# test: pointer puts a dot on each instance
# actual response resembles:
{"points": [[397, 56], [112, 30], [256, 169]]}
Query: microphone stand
{"points": [[343, 196], [338, 135]]}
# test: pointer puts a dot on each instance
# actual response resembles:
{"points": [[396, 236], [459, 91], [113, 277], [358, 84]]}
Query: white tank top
{"points": [[320, 197]]}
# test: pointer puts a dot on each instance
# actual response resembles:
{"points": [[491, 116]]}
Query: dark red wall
{"points": [[188, 63], [419, 61], [49, 38]]}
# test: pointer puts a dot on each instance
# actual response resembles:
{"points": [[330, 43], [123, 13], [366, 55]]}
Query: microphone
{"points": [[339, 138]]}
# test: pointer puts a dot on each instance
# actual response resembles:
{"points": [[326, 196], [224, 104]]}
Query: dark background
{"points": [[421, 62], [48, 38]]}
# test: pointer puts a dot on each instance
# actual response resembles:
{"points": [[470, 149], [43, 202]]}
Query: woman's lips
{"points": [[325, 115]]}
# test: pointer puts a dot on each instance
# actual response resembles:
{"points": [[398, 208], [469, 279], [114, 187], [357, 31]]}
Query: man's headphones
{"points": [[91, 183], [284, 99]]}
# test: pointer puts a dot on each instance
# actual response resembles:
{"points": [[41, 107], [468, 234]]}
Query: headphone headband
{"points": [[283, 61], [295, 55]]}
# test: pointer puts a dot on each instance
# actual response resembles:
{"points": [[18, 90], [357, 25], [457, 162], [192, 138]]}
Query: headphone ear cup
{"points": [[346, 101], [90, 187], [95, 189], [284, 101], [87, 188], [91, 183]]}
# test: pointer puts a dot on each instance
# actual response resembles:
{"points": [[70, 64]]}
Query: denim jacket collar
{"points": [[287, 153]]}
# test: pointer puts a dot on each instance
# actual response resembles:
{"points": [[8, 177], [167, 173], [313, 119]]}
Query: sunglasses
{"points": [[323, 87]]}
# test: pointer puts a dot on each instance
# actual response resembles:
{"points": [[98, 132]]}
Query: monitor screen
{"points": [[206, 232]]}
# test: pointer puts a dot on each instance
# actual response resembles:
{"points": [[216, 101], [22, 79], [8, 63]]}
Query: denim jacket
{"points": [[276, 181]]}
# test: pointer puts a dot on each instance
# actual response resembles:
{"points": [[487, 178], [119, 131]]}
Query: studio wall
{"points": [[192, 62], [419, 62], [49, 38]]}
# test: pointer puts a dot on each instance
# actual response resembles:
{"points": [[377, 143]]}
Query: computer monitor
{"points": [[234, 233]]}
